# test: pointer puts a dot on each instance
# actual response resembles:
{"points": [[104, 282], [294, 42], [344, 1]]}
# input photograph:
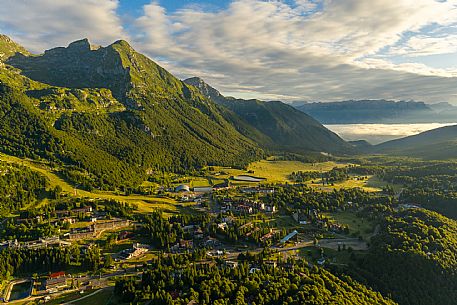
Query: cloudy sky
{"points": [[313, 50]]}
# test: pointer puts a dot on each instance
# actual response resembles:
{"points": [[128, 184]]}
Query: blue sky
{"points": [[306, 50], [135, 7]]}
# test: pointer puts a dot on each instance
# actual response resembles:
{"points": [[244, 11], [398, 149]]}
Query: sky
{"points": [[290, 50]]}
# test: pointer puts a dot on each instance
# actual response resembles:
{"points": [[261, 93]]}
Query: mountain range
{"points": [[276, 125], [379, 111], [113, 116]]}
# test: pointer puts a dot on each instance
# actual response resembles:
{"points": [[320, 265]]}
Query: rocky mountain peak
{"points": [[204, 88], [9, 48]]}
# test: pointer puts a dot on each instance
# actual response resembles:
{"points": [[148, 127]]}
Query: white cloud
{"points": [[41, 24], [295, 50], [422, 45], [273, 49]]}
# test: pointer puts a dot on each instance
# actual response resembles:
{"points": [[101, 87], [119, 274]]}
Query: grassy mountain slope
{"points": [[114, 113], [440, 143], [282, 126], [9, 48]]}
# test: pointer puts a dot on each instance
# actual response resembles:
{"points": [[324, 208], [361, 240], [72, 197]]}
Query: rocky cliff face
{"points": [[79, 65]]}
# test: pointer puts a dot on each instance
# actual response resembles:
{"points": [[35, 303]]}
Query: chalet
{"points": [[62, 213], [124, 235], [70, 220], [81, 235]]}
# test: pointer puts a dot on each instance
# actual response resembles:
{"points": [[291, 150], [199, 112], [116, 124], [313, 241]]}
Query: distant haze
{"points": [[378, 133]]}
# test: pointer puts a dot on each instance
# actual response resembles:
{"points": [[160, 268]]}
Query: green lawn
{"points": [[376, 182], [273, 171], [357, 225], [104, 297], [352, 182], [278, 171]]}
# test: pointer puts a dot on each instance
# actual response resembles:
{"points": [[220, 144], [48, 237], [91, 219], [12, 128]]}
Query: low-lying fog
{"points": [[378, 133]]}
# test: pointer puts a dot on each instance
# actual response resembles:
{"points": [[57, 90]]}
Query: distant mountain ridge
{"points": [[378, 111], [282, 126]]}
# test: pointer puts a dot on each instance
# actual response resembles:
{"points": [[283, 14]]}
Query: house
{"points": [[267, 236], [270, 208], [135, 251], [56, 280], [222, 226], [244, 209], [112, 224], [70, 220], [83, 210], [300, 217], [271, 263], [231, 264], [186, 244]]}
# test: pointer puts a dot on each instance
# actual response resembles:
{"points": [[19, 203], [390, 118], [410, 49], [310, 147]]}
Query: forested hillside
{"points": [[206, 284], [18, 186], [438, 143], [413, 258]]}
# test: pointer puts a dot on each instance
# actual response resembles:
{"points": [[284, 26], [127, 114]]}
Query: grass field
{"points": [[274, 171], [278, 171], [375, 182], [352, 182], [357, 225], [102, 297]]}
